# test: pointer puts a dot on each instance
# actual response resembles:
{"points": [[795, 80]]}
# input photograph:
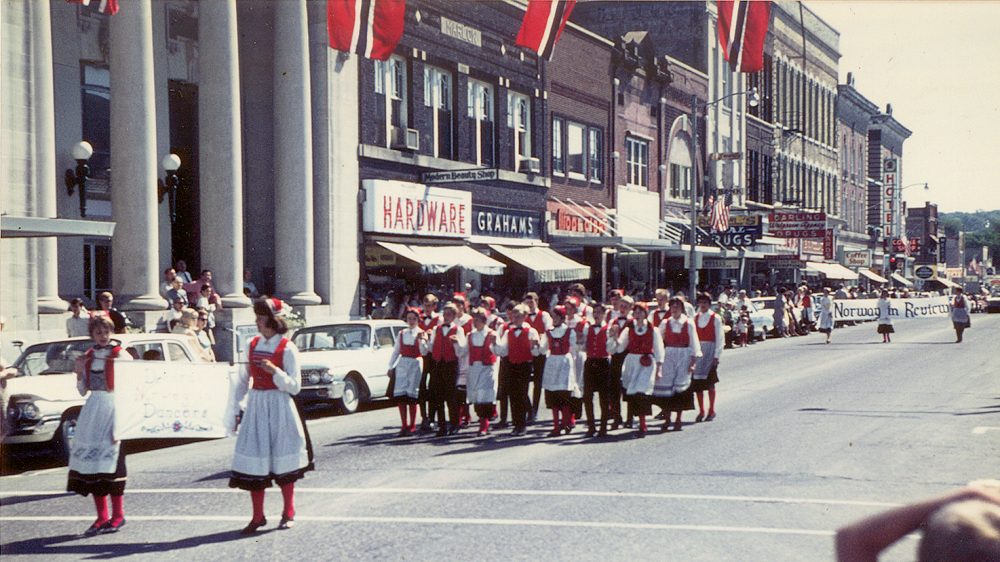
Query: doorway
{"points": [[185, 234]]}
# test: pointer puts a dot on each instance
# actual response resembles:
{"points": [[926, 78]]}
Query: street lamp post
{"points": [[753, 99]]}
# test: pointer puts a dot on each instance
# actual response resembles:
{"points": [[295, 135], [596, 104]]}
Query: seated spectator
{"points": [[204, 336], [172, 314], [152, 355], [176, 291], [181, 271], [168, 281]]}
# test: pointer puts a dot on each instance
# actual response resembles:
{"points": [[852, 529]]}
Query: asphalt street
{"points": [[808, 437]]}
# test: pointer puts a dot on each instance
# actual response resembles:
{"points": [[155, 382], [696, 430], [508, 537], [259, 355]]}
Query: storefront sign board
{"points": [[396, 207]]}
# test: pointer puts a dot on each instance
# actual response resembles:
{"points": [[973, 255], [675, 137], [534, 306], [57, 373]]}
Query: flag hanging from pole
{"points": [[109, 7], [719, 218], [742, 29], [543, 24], [370, 28]]}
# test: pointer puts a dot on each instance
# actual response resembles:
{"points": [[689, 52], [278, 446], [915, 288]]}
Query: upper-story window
{"points": [[391, 84], [519, 121], [595, 152], [577, 150], [96, 89], [574, 150], [637, 161], [437, 96], [558, 161], [480, 110]]}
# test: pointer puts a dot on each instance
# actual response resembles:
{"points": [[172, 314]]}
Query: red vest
{"points": [[597, 342], [518, 347], [444, 349], [109, 367], [482, 353], [409, 350], [659, 316], [806, 301], [704, 334], [263, 380], [558, 346], [640, 345], [538, 323], [467, 327], [959, 302], [429, 322], [670, 339]]}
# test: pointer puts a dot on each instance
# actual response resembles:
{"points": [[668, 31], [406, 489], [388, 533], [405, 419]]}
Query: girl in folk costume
{"points": [[429, 319], [503, 376], [464, 321], [708, 326], [578, 324], [482, 383], [407, 360], [825, 303], [672, 392], [644, 347], [519, 344], [596, 370], [96, 462], [662, 311], [448, 345], [559, 377], [273, 444], [621, 318], [540, 321], [579, 292], [885, 317], [960, 314]]}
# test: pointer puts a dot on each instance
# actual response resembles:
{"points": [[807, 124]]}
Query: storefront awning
{"points": [[901, 280], [872, 275], [947, 283], [832, 270], [37, 227], [546, 265], [438, 259]]}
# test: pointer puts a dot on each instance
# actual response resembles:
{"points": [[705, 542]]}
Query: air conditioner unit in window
{"points": [[531, 166], [405, 139]]}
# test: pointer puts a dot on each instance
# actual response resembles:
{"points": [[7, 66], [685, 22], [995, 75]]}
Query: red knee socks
{"points": [[257, 499], [117, 509], [642, 422], [288, 496], [555, 419], [402, 415], [569, 420], [101, 503], [413, 418], [484, 424]]}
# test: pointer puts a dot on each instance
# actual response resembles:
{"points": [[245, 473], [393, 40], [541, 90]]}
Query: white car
{"points": [[762, 317], [346, 363], [41, 402]]}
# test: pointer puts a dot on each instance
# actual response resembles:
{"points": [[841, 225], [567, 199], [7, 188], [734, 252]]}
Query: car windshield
{"points": [[49, 358], [335, 336]]}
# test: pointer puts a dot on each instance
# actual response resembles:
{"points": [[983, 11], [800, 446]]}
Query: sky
{"points": [[938, 64]]}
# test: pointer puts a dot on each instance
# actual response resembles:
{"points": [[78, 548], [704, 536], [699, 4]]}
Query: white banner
{"points": [[162, 400], [899, 309]]}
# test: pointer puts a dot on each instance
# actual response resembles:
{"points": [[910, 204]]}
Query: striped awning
{"points": [[438, 259], [872, 275], [545, 264], [901, 280]]}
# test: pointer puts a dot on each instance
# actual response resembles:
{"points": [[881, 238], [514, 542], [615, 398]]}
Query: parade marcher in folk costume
{"points": [[960, 314], [621, 318], [464, 321], [559, 377], [673, 392], [448, 347], [597, 370], [519, 344], [429, 320], [540, 321], [885, 317], [408, 364], [97, 462], [578, 323], [503, 373], [644, 353], [708, 326], [273, 443], [826, 313], [662, 310], [481, 389]]}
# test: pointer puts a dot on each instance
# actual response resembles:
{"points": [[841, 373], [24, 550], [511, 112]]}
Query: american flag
{"points": [[720, 215], [109, 7], [906, 244]]}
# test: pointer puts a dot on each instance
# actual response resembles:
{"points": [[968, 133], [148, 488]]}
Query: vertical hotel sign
{"points": [[890, 186]]}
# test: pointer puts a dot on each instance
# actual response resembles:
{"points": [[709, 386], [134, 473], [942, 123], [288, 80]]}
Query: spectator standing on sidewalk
{"points": [[106, 301], [78, 324], [249, 288], [181, 271]]}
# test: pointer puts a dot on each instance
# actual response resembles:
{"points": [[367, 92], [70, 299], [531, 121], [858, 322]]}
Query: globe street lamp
{"points": [[753, 99], [77, 179], [170, 183]]}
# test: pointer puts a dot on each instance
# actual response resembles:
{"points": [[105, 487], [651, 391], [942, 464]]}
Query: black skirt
{"points": [[558, 398], [640, 404], [100, 484], [700, 385], [886, 329], [677, 402]]}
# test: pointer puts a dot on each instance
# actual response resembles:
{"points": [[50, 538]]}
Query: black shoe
{"points": [[111, 527], [591, 431], [286, 522], [253, 526], [700, 418], [640, 434], [95, 529], [627, 425], [502, 424], [615, 424], [518, 431], [661, 416], [665, 428], [555, 433], [441, 433], [453, 431], [710, 417]]}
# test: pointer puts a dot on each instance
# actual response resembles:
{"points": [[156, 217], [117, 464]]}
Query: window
{"points": [[519, 121], [383, 337], [574, 150], [637, 161], [96, 90], [148, 351], [558, 164], [96, 268], [680, 182], [390, 83], [480, 111], [437, 95], [595, 152]]}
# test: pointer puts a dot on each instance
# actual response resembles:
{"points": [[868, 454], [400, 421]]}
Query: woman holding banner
{"points": [[273, 444], [884, 317], [826, 313], [96, 462], [960, 314]]}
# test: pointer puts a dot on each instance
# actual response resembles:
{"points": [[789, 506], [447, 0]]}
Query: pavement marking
{"points": [[457, 521], [979, 430], [485, 492]]}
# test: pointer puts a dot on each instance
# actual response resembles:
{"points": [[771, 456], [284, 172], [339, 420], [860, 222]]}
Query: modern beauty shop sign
{"points": [[899, 309]]}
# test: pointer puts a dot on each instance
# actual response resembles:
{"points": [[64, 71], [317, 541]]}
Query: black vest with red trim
{"points": [[109, 368], [482, 353]]}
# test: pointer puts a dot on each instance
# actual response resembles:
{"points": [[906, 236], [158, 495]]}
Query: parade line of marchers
{"points": [[442, 363]]}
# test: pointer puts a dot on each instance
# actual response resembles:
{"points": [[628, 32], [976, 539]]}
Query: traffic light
{"points": [[893, 263]]}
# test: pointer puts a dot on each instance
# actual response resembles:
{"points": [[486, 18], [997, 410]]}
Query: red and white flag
{"points": [[370, 28], [720, 215], [543, 24], [742, 29], [109, 7]]}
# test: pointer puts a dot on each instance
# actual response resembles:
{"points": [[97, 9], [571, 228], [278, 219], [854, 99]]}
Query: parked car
{"points": [[42, 402], [993, 302], [346, 363], [762, 317]]}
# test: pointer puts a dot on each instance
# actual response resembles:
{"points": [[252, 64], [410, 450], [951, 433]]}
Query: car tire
{"points": [[62, 443], [348, 403]]}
